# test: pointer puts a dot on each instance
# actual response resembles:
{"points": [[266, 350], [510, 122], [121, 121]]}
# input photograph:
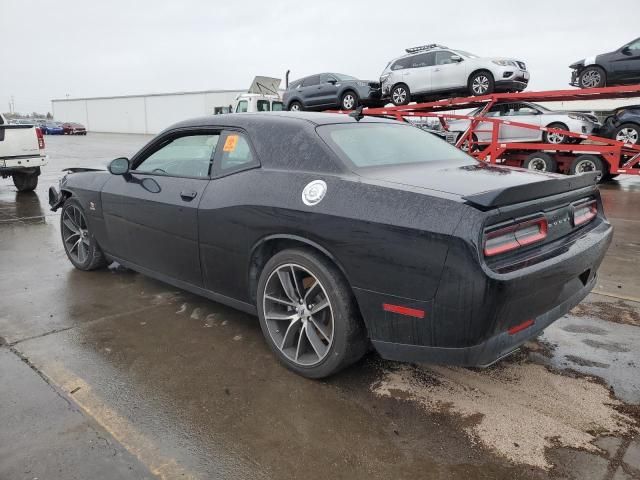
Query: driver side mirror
{"points": [[456, 58], [119, 166], [626, 51]]}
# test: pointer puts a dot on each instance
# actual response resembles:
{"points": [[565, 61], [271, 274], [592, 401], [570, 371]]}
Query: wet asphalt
{"points": [[110, 374]]}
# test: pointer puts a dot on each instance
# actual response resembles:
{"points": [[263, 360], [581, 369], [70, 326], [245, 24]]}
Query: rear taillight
{"points": [[584, 212], [515, 236], [40, 138]]}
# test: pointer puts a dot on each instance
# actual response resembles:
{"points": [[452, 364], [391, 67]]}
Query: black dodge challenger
{"points": [[341, 233]]}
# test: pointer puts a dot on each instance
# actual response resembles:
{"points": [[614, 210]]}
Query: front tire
{"points": [[349, 101], [540, 162], [25, 182], [308, 314], [400, 94], [555, 138], [592, 77], [481, 83], [80, 245], [628, 133]]}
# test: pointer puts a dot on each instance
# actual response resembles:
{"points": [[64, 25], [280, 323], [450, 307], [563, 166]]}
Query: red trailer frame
{"points": [[618, 157]]}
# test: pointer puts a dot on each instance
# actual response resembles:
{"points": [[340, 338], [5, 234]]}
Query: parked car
{"points": [[330, 90], [623, 125], [356, 232], [437, 70], [622, 66], [257, 102], [533, 114], [21, 153], [52, 128], [72, 128]]}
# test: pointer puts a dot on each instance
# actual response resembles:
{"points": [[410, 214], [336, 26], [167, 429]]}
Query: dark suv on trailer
{"points": [[623, 125], [330, 90], [619, 67]]}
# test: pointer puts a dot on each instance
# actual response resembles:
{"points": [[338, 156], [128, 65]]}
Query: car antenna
{"points": [[357, 113]]}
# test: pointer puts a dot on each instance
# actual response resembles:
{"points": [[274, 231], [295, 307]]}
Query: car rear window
{"points": [[386, 144]]}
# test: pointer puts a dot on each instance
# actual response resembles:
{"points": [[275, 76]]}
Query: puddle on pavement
{"points": [[517, 409]]}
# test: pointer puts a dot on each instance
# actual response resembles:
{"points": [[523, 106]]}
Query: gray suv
{"points": [[330, 90]]}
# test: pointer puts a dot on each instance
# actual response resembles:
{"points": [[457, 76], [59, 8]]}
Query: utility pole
{"points": [[12, 105]]}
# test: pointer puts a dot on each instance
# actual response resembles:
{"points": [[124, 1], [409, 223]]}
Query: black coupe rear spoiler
{"points": [[531, 191]]}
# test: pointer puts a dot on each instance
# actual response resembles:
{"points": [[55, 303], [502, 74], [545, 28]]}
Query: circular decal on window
{"points": [[314, 192]]}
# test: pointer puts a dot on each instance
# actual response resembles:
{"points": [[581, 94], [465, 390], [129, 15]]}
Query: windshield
{"points": [[343, 77], [467, 54], [386, 144]]}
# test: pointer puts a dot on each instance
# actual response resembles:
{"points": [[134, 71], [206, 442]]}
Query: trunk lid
{"points": [[483, 185]]}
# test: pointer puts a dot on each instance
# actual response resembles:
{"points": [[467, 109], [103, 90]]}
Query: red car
{"points": [[72, 128]]}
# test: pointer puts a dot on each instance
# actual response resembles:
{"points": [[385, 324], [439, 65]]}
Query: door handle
{"points": [[437, 70], [188, 196]]}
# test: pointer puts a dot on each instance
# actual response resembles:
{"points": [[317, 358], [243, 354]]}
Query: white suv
{"points": [[432, 70]]}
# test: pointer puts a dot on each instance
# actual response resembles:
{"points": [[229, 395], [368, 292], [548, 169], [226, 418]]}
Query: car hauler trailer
{"points": [[589, 153]]}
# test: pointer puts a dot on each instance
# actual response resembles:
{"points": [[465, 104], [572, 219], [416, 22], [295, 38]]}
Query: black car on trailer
{"points": [[620, 67], [340, 232]]}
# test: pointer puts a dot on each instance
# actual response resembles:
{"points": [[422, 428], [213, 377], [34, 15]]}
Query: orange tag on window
{"points": [[230, 143]]}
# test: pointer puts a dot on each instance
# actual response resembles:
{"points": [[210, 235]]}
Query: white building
{"points": [[141, 113]]}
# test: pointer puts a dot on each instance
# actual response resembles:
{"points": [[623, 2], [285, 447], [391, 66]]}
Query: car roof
{"points": [[284, 140], [256, 118]]}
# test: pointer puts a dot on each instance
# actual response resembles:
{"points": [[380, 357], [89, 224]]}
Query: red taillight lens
{"points": [[40, 138], [515, 236], [584, 212]]}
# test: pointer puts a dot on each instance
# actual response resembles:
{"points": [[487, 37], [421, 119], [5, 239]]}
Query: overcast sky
{"points": [[84, 48]]}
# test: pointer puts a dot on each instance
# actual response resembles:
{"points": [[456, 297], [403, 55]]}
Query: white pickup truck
{"points": [[21, 154]]}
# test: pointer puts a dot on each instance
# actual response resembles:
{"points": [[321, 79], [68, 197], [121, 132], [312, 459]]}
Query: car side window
{"points": [[400, 64], [444, 57], [423, 60], [185, 156], [236, 154], [312, 80], [263, 105], [634, 45], [242, 106], [325, 77]]}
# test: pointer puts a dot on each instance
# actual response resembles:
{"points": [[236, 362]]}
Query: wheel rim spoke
{"points": [[298, 314], [318, 346], [287, 286]]}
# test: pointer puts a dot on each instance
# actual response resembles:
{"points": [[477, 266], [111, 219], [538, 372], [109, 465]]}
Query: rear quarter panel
{"points": [[383, 239]]}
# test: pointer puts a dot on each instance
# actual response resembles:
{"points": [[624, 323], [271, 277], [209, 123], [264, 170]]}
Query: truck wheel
{"points": [[308, 314], [587, 163], [295, 106], [592, 77], [400, 94], [628, 133], [541, 162], [555, 138], [25, 182], [80, 245], [481, 83]]}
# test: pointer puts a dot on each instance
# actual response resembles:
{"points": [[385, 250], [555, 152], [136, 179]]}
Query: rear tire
{"points": [[295, 106], [25, 182], [541, 162], [588, 163], [294, 283], [79, 244], [555, 138], [400, 94], [481, 83], [592, 77]]}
